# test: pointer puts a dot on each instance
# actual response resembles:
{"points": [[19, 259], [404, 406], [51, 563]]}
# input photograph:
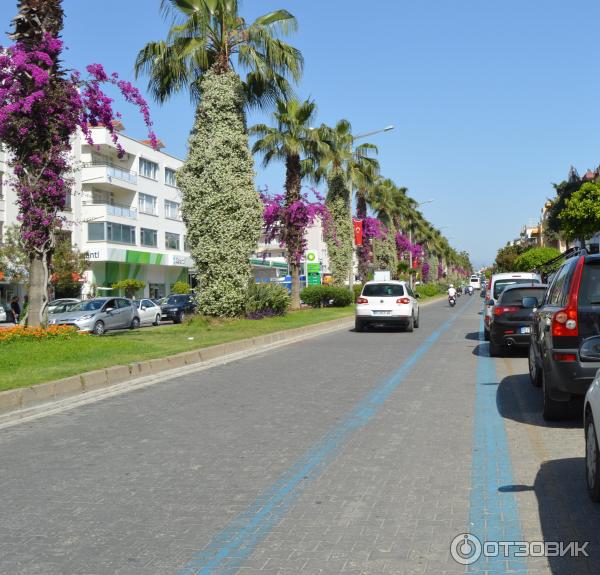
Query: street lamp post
{"points": [[349, 184]]}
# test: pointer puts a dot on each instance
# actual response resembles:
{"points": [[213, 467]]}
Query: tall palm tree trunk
{"points": [[362, 251], [293, 240]]}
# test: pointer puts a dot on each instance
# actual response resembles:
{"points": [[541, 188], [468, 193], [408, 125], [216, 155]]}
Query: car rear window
{"points": [[500, 285], [383, 290], [175, 299], [515, 296], [589, 292]]}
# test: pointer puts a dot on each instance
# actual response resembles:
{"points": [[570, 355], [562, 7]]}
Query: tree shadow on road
{"points": [[567, 514], [519, 400]]}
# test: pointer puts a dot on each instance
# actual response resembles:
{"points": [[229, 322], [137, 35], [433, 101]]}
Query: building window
{"points": [[148, 169], [148, 238], [111, 232], [67, 207], [186, 244], [156, 291], [171, 241], [171, 210], [170, 179], [120, 233], [96, 231], [147, 204]]}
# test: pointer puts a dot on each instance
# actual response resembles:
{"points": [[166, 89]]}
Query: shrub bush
{"points": [[325, 296], [265, 300], [430, 290], [181, 288]]}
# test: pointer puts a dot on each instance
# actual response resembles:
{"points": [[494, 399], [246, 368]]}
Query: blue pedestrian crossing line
{"points": [[493, 514], [228, 549]]}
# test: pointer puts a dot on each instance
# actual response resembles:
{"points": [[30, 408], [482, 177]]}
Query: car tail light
{"points": [[500, 309], [403, 300], [564, 322], [362, 300], [564, 357]]}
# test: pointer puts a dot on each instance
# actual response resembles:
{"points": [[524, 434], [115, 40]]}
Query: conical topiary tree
{"points": [[221, 206]]}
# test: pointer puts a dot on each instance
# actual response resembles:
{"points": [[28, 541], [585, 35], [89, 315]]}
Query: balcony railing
{"points": [[114, 209], [116, 172]]}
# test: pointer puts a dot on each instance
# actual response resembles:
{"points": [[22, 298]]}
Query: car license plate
{"points": [[378, 312], [525, 330]]}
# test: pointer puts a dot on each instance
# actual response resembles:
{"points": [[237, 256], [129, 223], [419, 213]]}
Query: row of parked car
{"points": [[101, 314], [560, 323]]}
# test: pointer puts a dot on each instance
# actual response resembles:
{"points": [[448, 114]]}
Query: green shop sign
{"points": [[313, 268]]}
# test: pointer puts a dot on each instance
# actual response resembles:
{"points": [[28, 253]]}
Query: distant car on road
{"points": [[389, 303], [99, 315], [562, 324], [62, 304], [497, 285], [177, 306], [149, 312], [511, 320]]}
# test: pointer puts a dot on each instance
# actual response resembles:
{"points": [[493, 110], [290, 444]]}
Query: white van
{"points": [[475, 282], [496, 287]]}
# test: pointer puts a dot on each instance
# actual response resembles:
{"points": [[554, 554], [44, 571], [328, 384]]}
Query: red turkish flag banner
{"points": [[358, 232]]}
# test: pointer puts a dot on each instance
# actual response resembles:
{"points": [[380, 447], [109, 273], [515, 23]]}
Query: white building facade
{"points": [[124, 212]]}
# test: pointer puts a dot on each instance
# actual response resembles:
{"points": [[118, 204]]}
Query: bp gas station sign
{"points": [[313, 268]]}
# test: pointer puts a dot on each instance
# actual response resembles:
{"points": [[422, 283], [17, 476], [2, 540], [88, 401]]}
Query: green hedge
{"points": [[326, 296], [267, 299], [430, 290]]}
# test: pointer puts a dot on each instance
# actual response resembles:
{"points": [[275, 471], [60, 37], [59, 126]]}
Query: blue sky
{"points": [[492, 101]]}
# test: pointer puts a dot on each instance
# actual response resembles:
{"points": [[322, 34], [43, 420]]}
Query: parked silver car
{"points": [[62, 305], [99, 315]]}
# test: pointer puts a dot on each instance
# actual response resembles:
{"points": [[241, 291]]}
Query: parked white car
{"points": [[389, 303], [590, 352], [3, 316], [148, 311], [496, 287]]}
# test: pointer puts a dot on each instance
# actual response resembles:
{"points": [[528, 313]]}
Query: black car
{"points": [[177, 306], [512, 315], [568, 316]]}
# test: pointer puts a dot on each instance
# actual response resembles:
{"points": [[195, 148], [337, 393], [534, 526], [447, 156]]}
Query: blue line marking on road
{"points": [[493, 515], [229, 548]]}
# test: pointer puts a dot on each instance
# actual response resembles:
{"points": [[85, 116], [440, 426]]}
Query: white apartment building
{"points": [[125, 212]]}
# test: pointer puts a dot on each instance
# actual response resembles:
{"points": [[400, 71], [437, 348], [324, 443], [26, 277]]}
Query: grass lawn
{"points": [[24, 363]]}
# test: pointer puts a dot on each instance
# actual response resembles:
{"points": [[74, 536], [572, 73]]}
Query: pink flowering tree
{"points": [[41, 109], [287, 222], [373, 229]]}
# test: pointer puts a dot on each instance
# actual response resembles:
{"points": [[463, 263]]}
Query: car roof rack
{"points": [[570, 253]]}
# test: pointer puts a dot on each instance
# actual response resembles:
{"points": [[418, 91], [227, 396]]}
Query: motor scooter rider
{"points": [[451, 291]]}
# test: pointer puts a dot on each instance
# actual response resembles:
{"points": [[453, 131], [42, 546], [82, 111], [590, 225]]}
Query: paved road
{"points": [[347, 453]]}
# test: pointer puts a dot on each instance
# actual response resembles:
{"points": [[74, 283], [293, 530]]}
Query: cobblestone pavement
{"points": [[346, 453]]}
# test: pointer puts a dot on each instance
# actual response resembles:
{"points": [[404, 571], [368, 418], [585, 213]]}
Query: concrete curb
{"points": [[25, 402]]}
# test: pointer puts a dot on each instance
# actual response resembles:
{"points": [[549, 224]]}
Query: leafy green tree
{"points": [[209, 39], [290, 142], [534, 258], [129, 286], [506, 258], [181, 288], [67, 266], [580, 219], [14, 259], [221, 207]]}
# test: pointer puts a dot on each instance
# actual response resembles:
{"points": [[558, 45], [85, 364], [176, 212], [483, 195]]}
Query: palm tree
{"points": [[345, 168], [37, 18], [291, 142], [208, 35]]}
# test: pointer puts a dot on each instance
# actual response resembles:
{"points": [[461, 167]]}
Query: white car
{"points": [[389, 303], [496, 287], [148, 311], [2, 314], [590, 351]]}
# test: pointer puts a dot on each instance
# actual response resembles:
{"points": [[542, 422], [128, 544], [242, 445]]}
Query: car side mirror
{"points": [[143, 308], [590, 349], [417, 295], [530, 302], [490, 303], [109, 309]]}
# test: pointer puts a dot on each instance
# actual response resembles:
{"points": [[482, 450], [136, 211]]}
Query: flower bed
{"points": [[38, 333]]}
